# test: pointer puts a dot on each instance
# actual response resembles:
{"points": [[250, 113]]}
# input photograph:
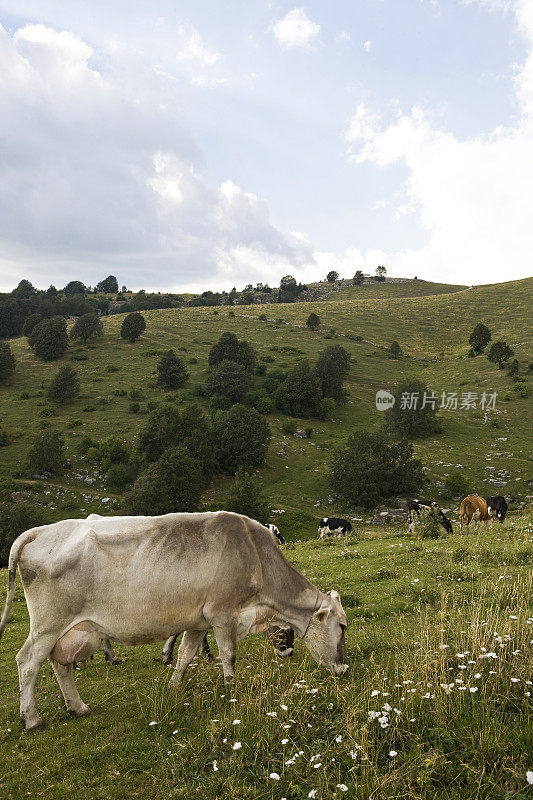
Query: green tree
{"points": [[229, 380], [300, 392], [15, 518], [64, 386], [48, 339], [7, 362], [499, 353], [313, 321], [109, 285], [171, 371], [47, 454], [395, 351], [371, 468], [24, 290], [358, 278], [75, 287], [289, 289], [380, 273], [332, 276], [132, 327], [414, 413], [246, 496], [479, 338], [241, 437], [173, 483], [86, 327], [332, 367], [30, 322], [229, 348], [456, 484]]}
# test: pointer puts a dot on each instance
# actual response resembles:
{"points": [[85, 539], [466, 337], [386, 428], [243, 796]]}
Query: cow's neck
{"points": [[297, 604]]}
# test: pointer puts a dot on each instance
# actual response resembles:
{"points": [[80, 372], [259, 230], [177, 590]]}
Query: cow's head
{"points": [[325, 638]]}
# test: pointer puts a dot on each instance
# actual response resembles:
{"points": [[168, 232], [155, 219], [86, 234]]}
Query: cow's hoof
{"points": [[34, 725], [83, 711], [116, 661]]}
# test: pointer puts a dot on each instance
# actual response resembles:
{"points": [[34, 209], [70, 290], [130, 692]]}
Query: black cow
{"points": [[413, 514], [333, 526], [497, 506]]}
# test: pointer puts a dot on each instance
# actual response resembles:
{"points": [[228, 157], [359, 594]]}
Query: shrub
{"points": [[132, 327], [289, 426], [64, 386], [456, 484], [87, 327], [499, 353], [513, 368], [46, 454], [325, 408], [135, 407], [241, 437], [479, 338], [332, 276], [172, 483], [395, 351], [5, 439], [264, 404], [371, 467], [313, 321], [229, 380], [48, 339], [229, 348], [30, 322], [120, 476], [414, 413], [171, 371], [113, 451], [332, 366], [522, 389], [358, 278], [245, 496], [15, 518], [7, 362], [300, 392], [428, 526]]}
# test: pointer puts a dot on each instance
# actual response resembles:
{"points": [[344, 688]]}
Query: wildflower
{"points": [[152, 723], [236, 722], [338, 738], [285, 708], [284, 741], [175, 732], [374, 693], [215, 768], [274, 776], [272, 713], [342, 787], [515, 680], [237, 746], [477, 676], [473, 689], [312, 794], [529, 776], [393, 754], [317, 766]]}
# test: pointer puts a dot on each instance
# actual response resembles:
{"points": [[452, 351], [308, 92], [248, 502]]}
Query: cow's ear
{"points": [[323, 612]]}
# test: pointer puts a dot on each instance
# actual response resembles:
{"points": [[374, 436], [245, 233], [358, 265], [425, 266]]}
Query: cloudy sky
{"points": [[193, 144]]}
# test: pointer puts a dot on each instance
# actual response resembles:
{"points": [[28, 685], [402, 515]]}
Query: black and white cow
{"points": [[497, 507], [333, 526], [275, 530], [414, 508]]}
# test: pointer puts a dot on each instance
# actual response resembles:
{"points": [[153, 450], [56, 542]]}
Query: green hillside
{"points": [[295, 475], [409, 288]]}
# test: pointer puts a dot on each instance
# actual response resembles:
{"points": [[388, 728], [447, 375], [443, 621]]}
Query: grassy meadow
{"points": [[437, 701]]}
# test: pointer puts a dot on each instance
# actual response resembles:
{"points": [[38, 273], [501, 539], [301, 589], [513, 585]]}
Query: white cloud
{"points": [[296, 30], [367, 45], [472, 196], [191, 47], [98, 174]]}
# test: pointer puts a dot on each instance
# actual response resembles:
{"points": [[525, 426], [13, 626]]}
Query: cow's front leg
{"points": [[168, 650], [187, 650], [69, 691], [226, 637]]}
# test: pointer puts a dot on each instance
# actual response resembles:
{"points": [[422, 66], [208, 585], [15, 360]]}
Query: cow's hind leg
{"points": [[187, 650], [226, 637], [168, 650], [30, 659], [65, 679], [109, 653]]}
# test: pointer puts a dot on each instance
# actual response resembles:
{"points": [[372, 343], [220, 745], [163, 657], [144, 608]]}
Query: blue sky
{"points": [[187, 145]]}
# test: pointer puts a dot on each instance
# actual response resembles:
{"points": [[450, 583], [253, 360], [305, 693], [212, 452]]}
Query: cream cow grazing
{"points": [[143, 579]]}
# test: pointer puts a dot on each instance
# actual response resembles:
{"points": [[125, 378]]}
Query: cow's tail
{"points": [[14, 554], [467, 512]]}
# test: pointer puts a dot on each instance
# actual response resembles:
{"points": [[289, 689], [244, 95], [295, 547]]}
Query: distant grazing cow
{"points": [[497, 507], [275, 530], [474, 508], [413, 514], [333, 526]]}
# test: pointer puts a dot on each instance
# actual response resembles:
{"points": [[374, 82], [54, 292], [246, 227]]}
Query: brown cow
{"points": [[474, 508]]}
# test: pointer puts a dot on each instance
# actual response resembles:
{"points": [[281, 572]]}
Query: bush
{"points": [[289, 426], [407, 418], [479, 338], [64, 386], [332, 366], [48, 339], [171, 371], [358, 278], [132, 327], [113, 451], [172, 483], [46, 453], [499, 353], [325, 408], [395, 351], [300, 392], [245, 496], [7, 362], [241, 437], [229, 348], [5, 438], [87, 327], [428, 526], [332, 276], [313, 321], [30, 323], [229, 380], [456, 484], [15, 518], [135, 407], [371, 468], [264, 404], [120, 476]]}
